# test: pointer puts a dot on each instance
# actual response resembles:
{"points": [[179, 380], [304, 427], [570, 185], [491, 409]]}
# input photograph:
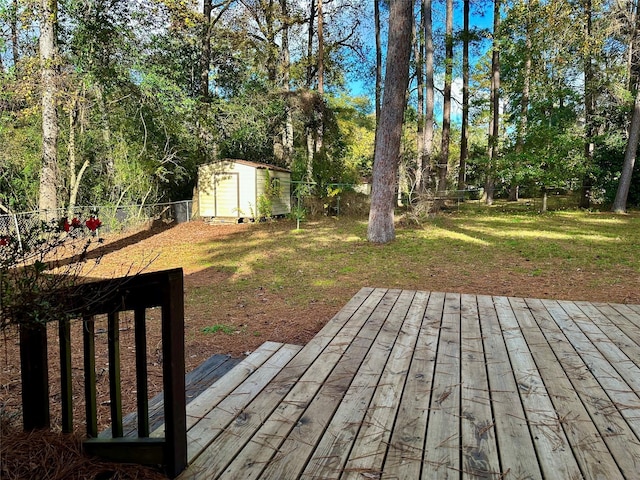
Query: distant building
{"points": [[243, 190]]}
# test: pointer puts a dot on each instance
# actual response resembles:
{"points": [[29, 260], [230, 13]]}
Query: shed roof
{"points": [[259, 165]]}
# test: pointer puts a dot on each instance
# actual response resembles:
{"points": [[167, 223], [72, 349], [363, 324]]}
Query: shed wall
{"points": [[280, 205], [232, 189]]}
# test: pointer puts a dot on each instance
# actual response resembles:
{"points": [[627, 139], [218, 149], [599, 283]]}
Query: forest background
{"points": [[117, 102]]}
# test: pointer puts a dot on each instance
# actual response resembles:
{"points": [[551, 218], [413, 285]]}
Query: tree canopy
{"points": [[119, 102]]}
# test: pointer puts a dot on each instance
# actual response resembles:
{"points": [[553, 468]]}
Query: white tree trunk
{"points": [[48, 200]]}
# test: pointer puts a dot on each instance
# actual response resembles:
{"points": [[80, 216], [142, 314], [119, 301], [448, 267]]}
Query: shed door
{"points": [[227, 195]]}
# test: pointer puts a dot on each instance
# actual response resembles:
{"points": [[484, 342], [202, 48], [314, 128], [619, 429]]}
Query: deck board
{"points": [[479, 447], [404, 457], [442, 454], [422, 385], [606, 418]]}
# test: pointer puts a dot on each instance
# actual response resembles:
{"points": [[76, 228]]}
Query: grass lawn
{"points": [[269, 281], [580, 253]]}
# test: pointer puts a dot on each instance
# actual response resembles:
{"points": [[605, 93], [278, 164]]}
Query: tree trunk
{"points": [[494, 124], [620, 202], [74, 178], [287, 132], [589, 109], [464, 134], [418, 53], [443, 162], [385, 168], [106, 131], [269, 31], [376, 14], [311, 148], [205, 54], [312, 18], [48, 200], [429, 89], [320, 130], [15, 50], [320, 49], [207, 31], [523, 122], [633, 56]]}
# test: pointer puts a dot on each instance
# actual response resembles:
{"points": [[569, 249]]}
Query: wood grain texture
{"points": [[411, 384]]}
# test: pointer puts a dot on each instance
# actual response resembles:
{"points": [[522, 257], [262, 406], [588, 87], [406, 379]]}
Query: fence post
{"points": [[35, 376], [15, 221]]}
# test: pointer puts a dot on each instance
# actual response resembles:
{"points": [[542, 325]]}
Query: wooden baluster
{"points": [[141, 372], [66, 390], [115, 389], [35, 376], [89, 342]]}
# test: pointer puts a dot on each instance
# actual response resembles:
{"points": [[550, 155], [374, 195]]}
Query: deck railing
{"points": [[111, 297]]}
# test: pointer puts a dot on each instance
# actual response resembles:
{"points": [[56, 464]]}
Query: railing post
{"points": [[35, 376], [174, 382]]}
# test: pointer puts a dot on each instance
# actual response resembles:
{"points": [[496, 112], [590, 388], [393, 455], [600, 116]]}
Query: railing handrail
{"points": [[109, 297]]}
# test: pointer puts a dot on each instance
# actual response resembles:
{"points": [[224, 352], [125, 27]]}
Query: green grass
{"points": [[476, 249], [226, 329]]}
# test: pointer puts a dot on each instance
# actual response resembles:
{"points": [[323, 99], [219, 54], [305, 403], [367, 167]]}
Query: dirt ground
{"points": [[262, 312]]}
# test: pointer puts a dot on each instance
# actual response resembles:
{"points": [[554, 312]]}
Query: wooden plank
{"points": [[311, 402], [197, 381], [294, 453], [621, 362], [173, 373], [615, 317], [406, 449], [143, 451], [623, 397], [586, 443], [629, 314], [212, 424], [479, 444], [629, 324], [209, 399], [209, 372], [89, 363], [66, 387], [635, 308], [321, 353], [610, 424], [364, 301], [511, 427], [34, 371], [142, 395], [115, 387], [552, 447], [442, 445], [389, 360]]}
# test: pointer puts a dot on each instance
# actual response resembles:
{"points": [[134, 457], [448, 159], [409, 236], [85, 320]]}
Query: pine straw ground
{"points": [[43, 455]]}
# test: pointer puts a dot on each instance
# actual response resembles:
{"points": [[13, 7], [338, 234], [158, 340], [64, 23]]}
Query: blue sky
{"points": [[480, 19]]}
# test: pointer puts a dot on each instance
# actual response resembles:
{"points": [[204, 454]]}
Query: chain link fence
{"points": [[113, 219]]}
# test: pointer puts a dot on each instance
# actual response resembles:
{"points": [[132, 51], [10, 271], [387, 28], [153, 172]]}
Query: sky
{"points": [[479, 19]]}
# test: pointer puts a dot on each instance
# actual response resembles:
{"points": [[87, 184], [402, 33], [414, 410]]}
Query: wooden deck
{"points": [[419, 385]]}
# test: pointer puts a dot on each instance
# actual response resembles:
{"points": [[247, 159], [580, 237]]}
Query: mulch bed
{"points": [[53, 456]]}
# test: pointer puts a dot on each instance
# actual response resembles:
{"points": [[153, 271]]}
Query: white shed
{"points": [[243, 190]]}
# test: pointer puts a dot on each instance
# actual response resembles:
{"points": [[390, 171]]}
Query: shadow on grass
{"points": [[157, 227]]}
